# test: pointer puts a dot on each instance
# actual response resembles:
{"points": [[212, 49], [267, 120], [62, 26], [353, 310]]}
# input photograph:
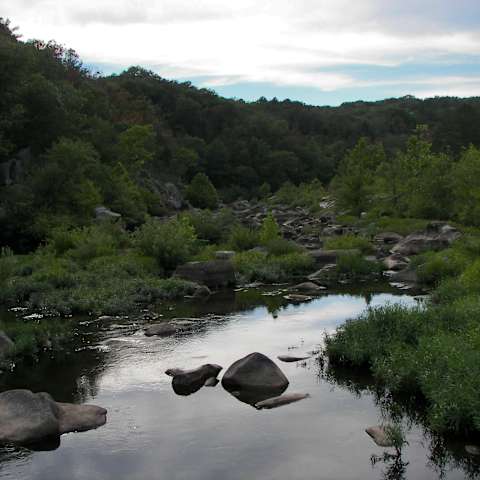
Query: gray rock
{"points": [[255, 371], [173, 197], [187, 382], [213, 273], [379, 436], [224, 254], [27, 417], [80, 418], [201, 291], [388, 238], [396, 262], [281, 400], [6, 345], [161, 329], [104, 214], [291, 358], [297, 298], [211, 382], [307, 287]]}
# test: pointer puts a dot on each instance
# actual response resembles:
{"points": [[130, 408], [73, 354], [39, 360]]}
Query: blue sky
{"points": [[321, 52]]}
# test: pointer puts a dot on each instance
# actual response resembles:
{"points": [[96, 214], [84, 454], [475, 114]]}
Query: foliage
{"points": [[349, 242], [354, 265], [201, 193], [243, 238], [307, 195], [269, 230], [170, 243], [210, 226]]}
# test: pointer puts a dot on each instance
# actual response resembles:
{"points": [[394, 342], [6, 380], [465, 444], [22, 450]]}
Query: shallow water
{"points": [[151, 433]]}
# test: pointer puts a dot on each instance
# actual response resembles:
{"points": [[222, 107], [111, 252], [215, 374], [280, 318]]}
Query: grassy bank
{"points": [[431, 350]]}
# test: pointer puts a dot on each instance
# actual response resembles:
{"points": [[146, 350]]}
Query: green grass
{"points": [[349, 242]]}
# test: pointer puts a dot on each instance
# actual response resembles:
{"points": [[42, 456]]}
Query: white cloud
{"points": [[280, 42]]}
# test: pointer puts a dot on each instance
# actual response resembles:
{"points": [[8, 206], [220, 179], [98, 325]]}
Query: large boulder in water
{"points": [[213, 273], [27, 417], [254, 372], [186, 382]]}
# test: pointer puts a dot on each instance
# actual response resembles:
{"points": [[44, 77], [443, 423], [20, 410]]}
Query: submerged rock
{"points": [[255, 371], [27, 417], [281, 400], [161, 330], [291, 358], [379, 436], [297, 298], [186, 382], [308, 288]]}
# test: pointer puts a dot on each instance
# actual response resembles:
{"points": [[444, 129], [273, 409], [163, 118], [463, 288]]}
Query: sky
{"points": [[321, 52]]}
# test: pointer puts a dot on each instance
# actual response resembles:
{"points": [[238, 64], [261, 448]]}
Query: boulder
{"points": [[173, 197], [161, 329], [387, 238], [307, 287], [254, 372], [201, 291], [324, 257], [396, 262], [213, 273], [186, 382], [437, 236], [379, 436], [27, 417], [6, 345], [104, 214], [80, 418]]}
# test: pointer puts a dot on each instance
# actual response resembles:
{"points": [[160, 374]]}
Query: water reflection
{"points": [[153, 433]]}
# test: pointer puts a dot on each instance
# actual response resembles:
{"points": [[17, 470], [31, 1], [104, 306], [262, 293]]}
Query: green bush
{"points": [[349, 242], [212, 227], [201, 193], [307, 195], [243, 238], [170, 243], [269, 230], [355, 265], [281, 246]]}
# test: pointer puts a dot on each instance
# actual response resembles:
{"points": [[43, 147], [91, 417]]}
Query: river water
{"points": [[152, 433]]}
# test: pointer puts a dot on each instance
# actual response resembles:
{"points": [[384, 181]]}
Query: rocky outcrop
{"points": [[103, 214], [27, 417], [186, 382], [213, 273], [396, 262], [437, 236], [172, 196], [379, 436], [254, 372]]}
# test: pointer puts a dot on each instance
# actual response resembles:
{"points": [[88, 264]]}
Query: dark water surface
{"points": [[151, 433]]}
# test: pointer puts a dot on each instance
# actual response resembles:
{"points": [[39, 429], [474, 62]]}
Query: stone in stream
{"points": [[296, 298], [254, 372], [161, 329], [281, 400], [291, 358], [27, 417], [186, 382], [379, 436], [472, 449], [6, 344], [307, 287]]}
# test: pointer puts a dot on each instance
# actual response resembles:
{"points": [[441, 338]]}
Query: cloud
{"points": [[309, 43]]}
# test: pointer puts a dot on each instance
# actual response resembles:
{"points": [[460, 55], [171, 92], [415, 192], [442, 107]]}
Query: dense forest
{"points": [[71, 139]]}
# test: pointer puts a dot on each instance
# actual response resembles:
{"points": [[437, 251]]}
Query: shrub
{"points": [[243, 238], [281, 246], [170, 243], [201, 193], [212, 227], [307, 195], [269, 230], [355, 265]]}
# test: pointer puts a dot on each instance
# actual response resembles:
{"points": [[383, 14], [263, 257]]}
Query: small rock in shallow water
{"points": [[472, 449], [161, 330], [290, 358], [281, 400], [379, 436]]}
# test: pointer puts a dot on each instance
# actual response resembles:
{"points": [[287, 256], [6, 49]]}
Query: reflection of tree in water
{"points": [[445, 453]]}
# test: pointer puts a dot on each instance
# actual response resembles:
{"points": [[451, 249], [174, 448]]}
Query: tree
{"points": [[201, 193], [136, 147], [354, 183]]}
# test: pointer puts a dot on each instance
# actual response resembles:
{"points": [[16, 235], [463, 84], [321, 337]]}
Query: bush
{"points": [[269, 230], [307, 195], [349, 242], [281, 246], [355, 265], [201, 193], [243, 238], [212, 227], [170, 243]]}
